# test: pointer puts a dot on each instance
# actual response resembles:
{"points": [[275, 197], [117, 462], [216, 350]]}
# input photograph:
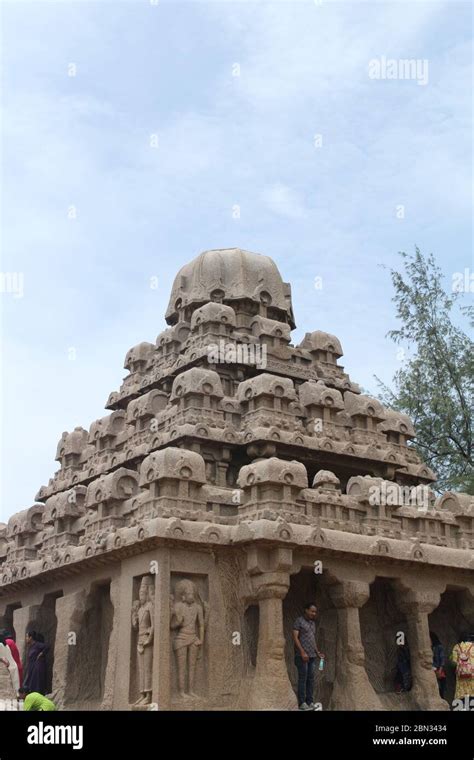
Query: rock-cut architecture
{"points": [[235, 477]]}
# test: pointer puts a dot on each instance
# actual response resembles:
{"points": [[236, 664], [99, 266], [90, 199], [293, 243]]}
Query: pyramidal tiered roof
{"points": [[224, 425]]}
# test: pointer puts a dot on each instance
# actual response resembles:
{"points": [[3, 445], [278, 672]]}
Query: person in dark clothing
{"points": [[304, 639], [403, 678], [439, 663], [35, 678]]}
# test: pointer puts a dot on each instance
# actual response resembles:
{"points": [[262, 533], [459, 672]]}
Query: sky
{"points": [[137, 134]]}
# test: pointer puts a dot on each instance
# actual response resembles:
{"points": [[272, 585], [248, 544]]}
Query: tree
{"points": [[435, 386]]}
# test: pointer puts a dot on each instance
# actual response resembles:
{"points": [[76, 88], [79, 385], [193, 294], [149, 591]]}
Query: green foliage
{"points": [[435, 385]]}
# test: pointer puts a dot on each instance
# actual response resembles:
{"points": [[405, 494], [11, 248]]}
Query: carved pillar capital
{"points": [[269, 571], [349, 594], [418, 601], [270, 586]]}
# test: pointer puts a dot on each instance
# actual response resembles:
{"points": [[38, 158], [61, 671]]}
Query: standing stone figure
{"points": [[187, 617], [142, 620]]}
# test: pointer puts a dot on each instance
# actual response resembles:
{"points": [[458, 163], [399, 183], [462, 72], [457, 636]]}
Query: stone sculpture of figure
{"points": [[143, 622], [187, 617]]}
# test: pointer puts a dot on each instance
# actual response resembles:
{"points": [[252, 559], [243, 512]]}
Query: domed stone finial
{"points": [[229, 275], [326, 480]]}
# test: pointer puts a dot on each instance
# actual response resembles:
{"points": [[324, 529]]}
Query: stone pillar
{"points": [[221, 469], [125, 656], [269, 570], [416, 605], [22, 617], [69, 611], [352, 688], [162, 653], [111, 670]]}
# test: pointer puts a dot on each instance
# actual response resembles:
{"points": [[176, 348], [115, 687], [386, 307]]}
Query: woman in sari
{"points": [[7, 658], [35, 678], [10, 642]]}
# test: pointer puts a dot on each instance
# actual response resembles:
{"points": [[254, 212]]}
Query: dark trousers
{"points": [[305, 679], [442, 687]]}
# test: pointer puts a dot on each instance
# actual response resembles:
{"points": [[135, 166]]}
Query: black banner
{"points": [[378, 734]]}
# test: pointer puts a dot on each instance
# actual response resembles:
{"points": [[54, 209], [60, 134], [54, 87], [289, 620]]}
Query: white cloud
{"points": [[284, 201]]}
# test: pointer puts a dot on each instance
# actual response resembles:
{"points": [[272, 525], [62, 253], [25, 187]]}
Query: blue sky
{"points": [[168, 69]]}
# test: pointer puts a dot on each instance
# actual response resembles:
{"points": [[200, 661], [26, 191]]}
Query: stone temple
{"points": [[235, 477]]}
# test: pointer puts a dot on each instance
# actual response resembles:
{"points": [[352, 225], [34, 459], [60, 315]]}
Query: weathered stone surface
{"points": [[226, 488]]}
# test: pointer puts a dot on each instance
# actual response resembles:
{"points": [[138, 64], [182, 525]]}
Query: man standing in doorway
{"points": [[306, 652]]}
